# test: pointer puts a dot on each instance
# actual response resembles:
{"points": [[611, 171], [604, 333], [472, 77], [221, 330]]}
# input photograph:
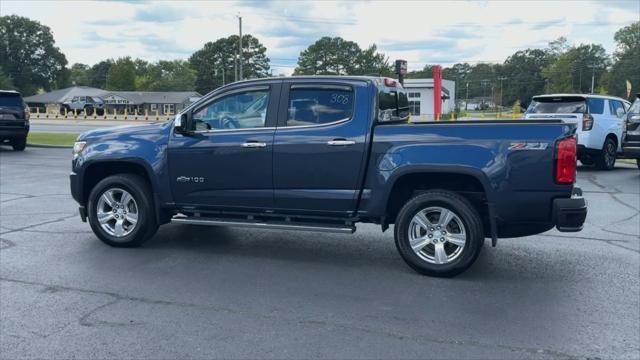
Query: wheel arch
{"points": [[95, 171], [468, 182]]}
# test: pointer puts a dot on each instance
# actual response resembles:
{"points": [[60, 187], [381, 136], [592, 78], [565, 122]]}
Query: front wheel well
{"points": [[411, 185], [98, 171], [613, 137]]}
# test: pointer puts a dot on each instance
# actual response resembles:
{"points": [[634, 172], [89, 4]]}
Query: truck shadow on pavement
{"points": [[365, 250]]}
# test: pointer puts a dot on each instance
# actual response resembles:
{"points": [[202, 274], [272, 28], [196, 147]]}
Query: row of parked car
{"points": [[608, 127]]}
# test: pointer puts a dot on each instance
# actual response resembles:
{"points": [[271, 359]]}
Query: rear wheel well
{"points": [[412, 184], [613, 137], [96, 172]]}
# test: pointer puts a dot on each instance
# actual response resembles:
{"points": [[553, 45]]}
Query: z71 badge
{"points": [[186, 179], [528, 146]]}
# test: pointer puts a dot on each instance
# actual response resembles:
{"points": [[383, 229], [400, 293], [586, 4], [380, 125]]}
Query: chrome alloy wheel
{"points": [[437, 235], [117, 212]]}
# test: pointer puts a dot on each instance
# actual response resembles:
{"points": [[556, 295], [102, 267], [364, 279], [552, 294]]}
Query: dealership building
{"points": [[151, 102], [420, 94]]}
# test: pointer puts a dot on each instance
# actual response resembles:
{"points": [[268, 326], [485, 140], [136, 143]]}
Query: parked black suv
{"points": [[14, 119], [631, 133]]}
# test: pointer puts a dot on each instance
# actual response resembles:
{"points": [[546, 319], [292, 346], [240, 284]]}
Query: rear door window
{"points": [[596, 106], [617, 108], [8, 99], [319, 104]]}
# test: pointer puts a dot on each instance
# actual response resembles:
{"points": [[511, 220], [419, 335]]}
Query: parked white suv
{"points": [[599, 122]]}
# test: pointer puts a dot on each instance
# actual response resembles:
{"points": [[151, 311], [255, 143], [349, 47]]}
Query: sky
{"points": [[421, 32]]}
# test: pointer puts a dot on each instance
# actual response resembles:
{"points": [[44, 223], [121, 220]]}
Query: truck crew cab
{"points": [[322, 154]]}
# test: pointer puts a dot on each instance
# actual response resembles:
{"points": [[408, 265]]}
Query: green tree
{"points": [[122, 75], [573, 69], [523, 75], [329, 56], [175, 75], [626, 66], [6, 82], [215, 63], [337, 56], [372, 62], [79, 75], [98, 74], [29, 55]]}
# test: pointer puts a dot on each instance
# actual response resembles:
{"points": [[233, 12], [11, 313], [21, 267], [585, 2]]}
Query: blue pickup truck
{"points": [[322, 154]]}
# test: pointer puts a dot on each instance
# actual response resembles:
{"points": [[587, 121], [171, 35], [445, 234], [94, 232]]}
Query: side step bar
{"points": [[275, 225]]}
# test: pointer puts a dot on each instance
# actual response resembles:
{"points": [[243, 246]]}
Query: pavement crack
{"points": [[613, 242], [38, 224], [84, 320], [613, 196]]}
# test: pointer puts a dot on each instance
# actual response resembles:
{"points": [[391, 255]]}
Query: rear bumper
{"points": [[569, 214], [13, 132]]}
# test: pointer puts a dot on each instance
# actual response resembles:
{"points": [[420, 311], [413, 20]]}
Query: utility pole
{"points": [[466, 101], [593, 76], [235, 66], [502, 78], [240, 46]]}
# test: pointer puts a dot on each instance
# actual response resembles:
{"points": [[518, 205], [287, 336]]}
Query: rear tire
{"points": [[107, 201], [606, 159], [443, 251], [19, 144], [638, 163]]}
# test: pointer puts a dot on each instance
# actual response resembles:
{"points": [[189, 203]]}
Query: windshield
{"points": [[10, 100]]}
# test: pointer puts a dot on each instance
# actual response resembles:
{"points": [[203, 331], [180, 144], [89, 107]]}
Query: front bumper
{"points": [[569, 214], [76, 193]]}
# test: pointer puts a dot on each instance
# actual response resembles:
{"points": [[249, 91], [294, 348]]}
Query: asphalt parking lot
{"points": [[199, 292]]}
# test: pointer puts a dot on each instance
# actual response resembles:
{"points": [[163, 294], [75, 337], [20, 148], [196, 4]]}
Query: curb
{"points": [[50, 146]]}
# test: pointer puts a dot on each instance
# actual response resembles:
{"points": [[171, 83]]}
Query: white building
{"points": [[420, 93]]}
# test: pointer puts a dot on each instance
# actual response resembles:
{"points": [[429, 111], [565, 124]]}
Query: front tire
{"points": [[606, 159], [121, 211], [19, 144], [439, 233]]}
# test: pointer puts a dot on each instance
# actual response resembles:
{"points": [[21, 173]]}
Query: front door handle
{"points": [[340, 142], [254, 144]]}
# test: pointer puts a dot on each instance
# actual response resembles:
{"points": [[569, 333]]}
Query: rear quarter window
{"points": [[393, 104], [596, 106]]}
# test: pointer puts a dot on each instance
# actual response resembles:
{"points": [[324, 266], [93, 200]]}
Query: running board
{"points": [[275, 225]]}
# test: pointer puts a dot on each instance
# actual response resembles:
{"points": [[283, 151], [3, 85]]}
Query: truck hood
{"points": [[126, 131]]}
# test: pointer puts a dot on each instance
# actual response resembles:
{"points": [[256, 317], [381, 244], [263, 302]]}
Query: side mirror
{"points": [[181, 123]]}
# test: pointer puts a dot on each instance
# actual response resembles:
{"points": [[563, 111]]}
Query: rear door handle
{"points": [[340, 142], [254, 144]]}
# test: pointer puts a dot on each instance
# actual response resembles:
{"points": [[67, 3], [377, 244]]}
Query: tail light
{"points": [[587, 122], [27, 113], [389, 82], [566, 160]]}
